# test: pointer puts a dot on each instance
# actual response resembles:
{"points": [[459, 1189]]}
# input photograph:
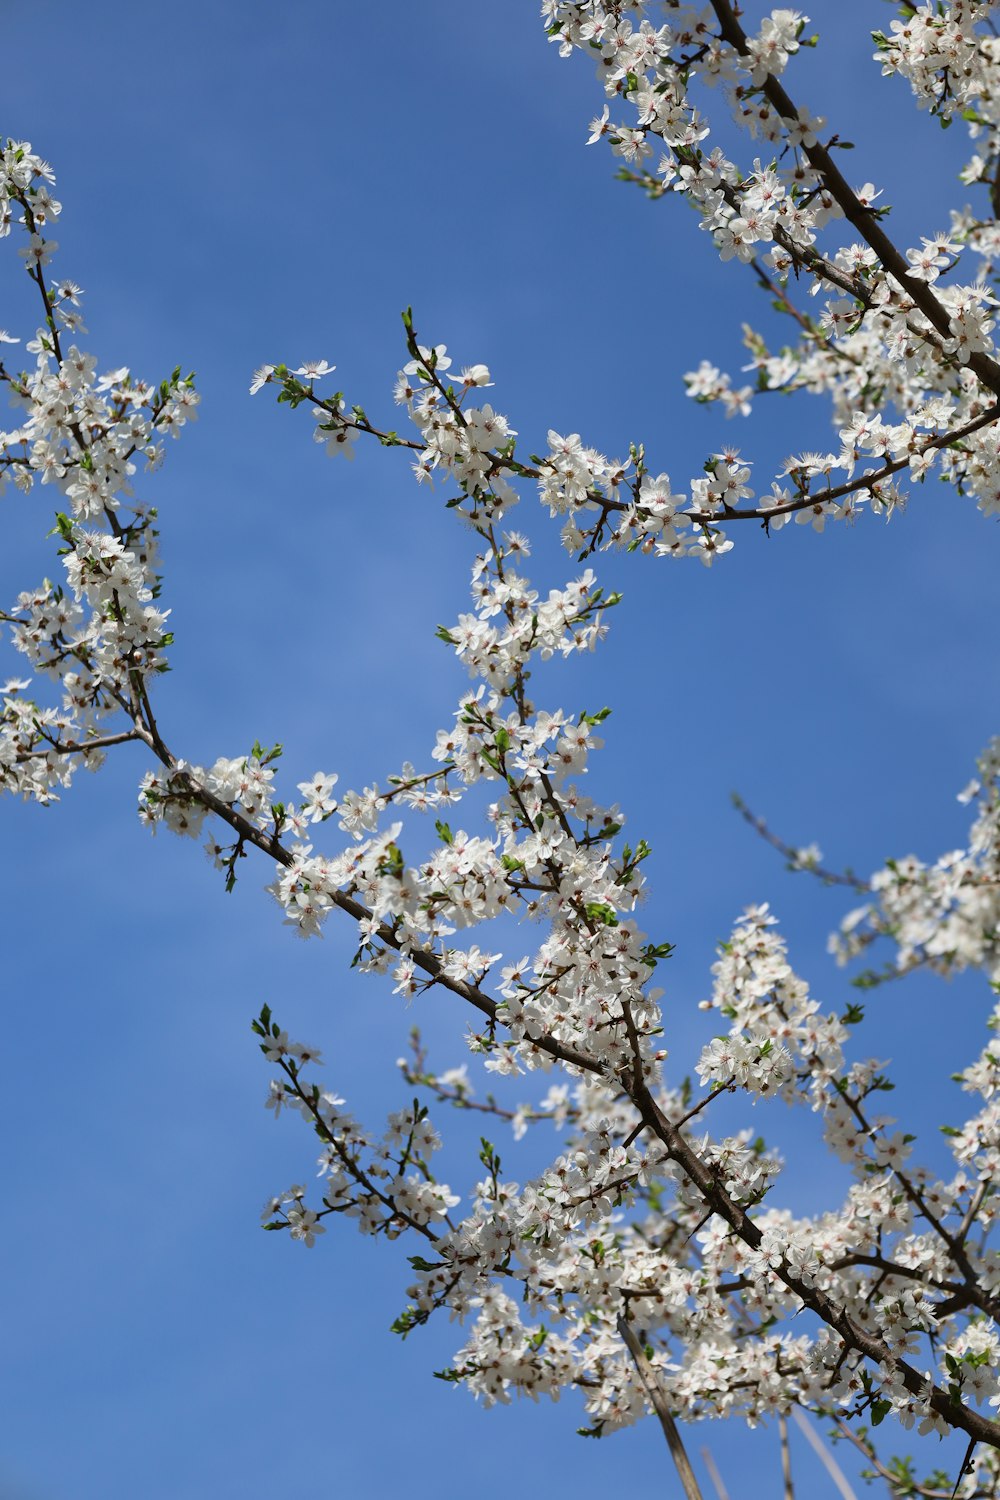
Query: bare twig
{"points": [[713, 1474], [793, 855], [648, 1377], [824, 1455], [786, 1461]]}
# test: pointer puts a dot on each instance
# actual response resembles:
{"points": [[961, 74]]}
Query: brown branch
{"points": [[829, 877], [852, 486], [861, 217], [833, 1314], [101, 742], [700, 1173], [865, 1446], [311, 1101], [425, 960]]}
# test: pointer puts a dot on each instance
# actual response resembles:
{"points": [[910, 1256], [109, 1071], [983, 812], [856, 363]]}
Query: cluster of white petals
{"points": [[98, 634], [944, 916], [886, 332], [645, 1219]]}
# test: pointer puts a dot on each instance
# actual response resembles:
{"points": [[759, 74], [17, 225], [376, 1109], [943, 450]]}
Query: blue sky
{"points": [[278, 185]]}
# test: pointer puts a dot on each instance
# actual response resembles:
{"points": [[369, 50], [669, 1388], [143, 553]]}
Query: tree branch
{"points": [[658, 1401]]}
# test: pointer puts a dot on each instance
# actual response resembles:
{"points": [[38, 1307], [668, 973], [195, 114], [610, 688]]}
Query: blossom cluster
{"points": [[578, 1237], [99, 634], [645, 1218], [888, 332], [943, 915]]}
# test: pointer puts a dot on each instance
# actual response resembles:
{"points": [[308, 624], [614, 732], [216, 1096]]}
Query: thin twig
{"points": [[824, 1455], [55, 747], [793, 855], [713, 1474], [786, 1460], [648, 1377]]}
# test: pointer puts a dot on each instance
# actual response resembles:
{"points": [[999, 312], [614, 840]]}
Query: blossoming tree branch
{"points": [[650, 1266]]}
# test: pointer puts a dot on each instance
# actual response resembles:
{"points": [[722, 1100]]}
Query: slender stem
{"points": [[652, 1386], [100, 742], [713, 1473], [720, 1088], [786, 1461], [824, 1455], [859, 484], [852, 486], [865, 1446], [829, 877], [311, 1101]]}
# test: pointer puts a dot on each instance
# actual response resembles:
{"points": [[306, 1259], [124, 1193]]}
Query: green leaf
{"points": [[407, 1321], [880, 1410], [653, 952], [262, 756]]}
